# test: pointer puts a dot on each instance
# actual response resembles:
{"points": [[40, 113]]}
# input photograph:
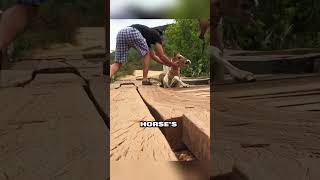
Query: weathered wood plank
{"points": [[263, 57], [295, 51], [192, 109], [263, 141], [196, 134], [51, 133], [156, 170], [128, 140], [99, 89]]}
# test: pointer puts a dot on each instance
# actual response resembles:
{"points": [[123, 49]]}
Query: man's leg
{"points": [[13, 21], [114, 68], [146, 65]]}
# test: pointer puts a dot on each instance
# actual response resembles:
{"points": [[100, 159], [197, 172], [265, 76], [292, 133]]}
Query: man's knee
{"points": [[147, 56]]}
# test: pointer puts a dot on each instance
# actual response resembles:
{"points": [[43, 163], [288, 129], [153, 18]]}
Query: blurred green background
{"points": [[279, 25], [160, 9]]}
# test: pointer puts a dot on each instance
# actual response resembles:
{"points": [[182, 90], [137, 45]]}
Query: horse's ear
{"points": [[175, 52]]}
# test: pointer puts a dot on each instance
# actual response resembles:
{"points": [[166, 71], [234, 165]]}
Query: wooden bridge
{"points": [[268, 129], [53, 113]]}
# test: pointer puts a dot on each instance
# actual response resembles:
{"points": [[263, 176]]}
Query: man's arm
{"points": [[162, 56], [156, 58], [204, 25]]}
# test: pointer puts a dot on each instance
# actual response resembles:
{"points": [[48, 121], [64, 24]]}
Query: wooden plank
{"points": [[288, 61], [278, 85], [88, 68], [268, 58], [265, 141], [60, 73], [193, 110], [314, 108], [196, 134], [267, 169], [290, 101], [144, 170], [300, 94], [159, 170], [295, 51], [51, 133], [99, 89], [11, 78], [128, 140]]}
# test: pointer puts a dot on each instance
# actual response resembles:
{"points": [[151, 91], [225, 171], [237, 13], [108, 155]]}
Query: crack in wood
{"points": [[72, 70], [254, 145], [103, 115], [182, 154], [59, 70], [283, 96], [239, 124], [276, 93], [298, 104]]}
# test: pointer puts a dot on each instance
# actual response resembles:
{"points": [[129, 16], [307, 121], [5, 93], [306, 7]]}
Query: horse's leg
{"points": [[174, 82], [166, 81], [236, 73], [180, 83]]}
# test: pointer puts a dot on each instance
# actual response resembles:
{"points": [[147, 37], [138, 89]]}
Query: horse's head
{"points": [[181, 60]]}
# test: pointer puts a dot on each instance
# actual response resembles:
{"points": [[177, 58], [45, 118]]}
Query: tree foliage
{"points": [[183, 37], [279, 25]]}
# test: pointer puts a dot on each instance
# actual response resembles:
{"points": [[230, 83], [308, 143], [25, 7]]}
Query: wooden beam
{"points": [[191, 108], [128, 141], [49, 133]]}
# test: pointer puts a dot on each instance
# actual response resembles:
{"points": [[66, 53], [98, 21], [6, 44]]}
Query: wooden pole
{"points": [[216, 39], [106, 63]]}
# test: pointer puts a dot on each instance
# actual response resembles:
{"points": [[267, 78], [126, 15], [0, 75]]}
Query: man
{"points": [[141, 38], [13, 21]]}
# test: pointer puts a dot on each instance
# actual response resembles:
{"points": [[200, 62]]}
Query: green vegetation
{"points": [[134, 62], [279, 25], [183, 36], [190, 9], [57, 21]]}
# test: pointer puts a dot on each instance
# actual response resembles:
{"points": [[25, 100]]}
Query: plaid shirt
{"points": [[129, 38]]}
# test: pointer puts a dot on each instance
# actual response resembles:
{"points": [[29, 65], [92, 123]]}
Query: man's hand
{"points": [[204, 25], [156, 58], [160, 53]]}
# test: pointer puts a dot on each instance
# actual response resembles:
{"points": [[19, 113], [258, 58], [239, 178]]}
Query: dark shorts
{"points": [[31, 2], [127, 38]]}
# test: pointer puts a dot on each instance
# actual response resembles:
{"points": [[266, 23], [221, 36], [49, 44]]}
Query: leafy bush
{"points": [[183, 37], [279, 25]]}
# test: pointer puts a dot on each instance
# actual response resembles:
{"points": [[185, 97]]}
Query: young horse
{"points": [[171, 77]]}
